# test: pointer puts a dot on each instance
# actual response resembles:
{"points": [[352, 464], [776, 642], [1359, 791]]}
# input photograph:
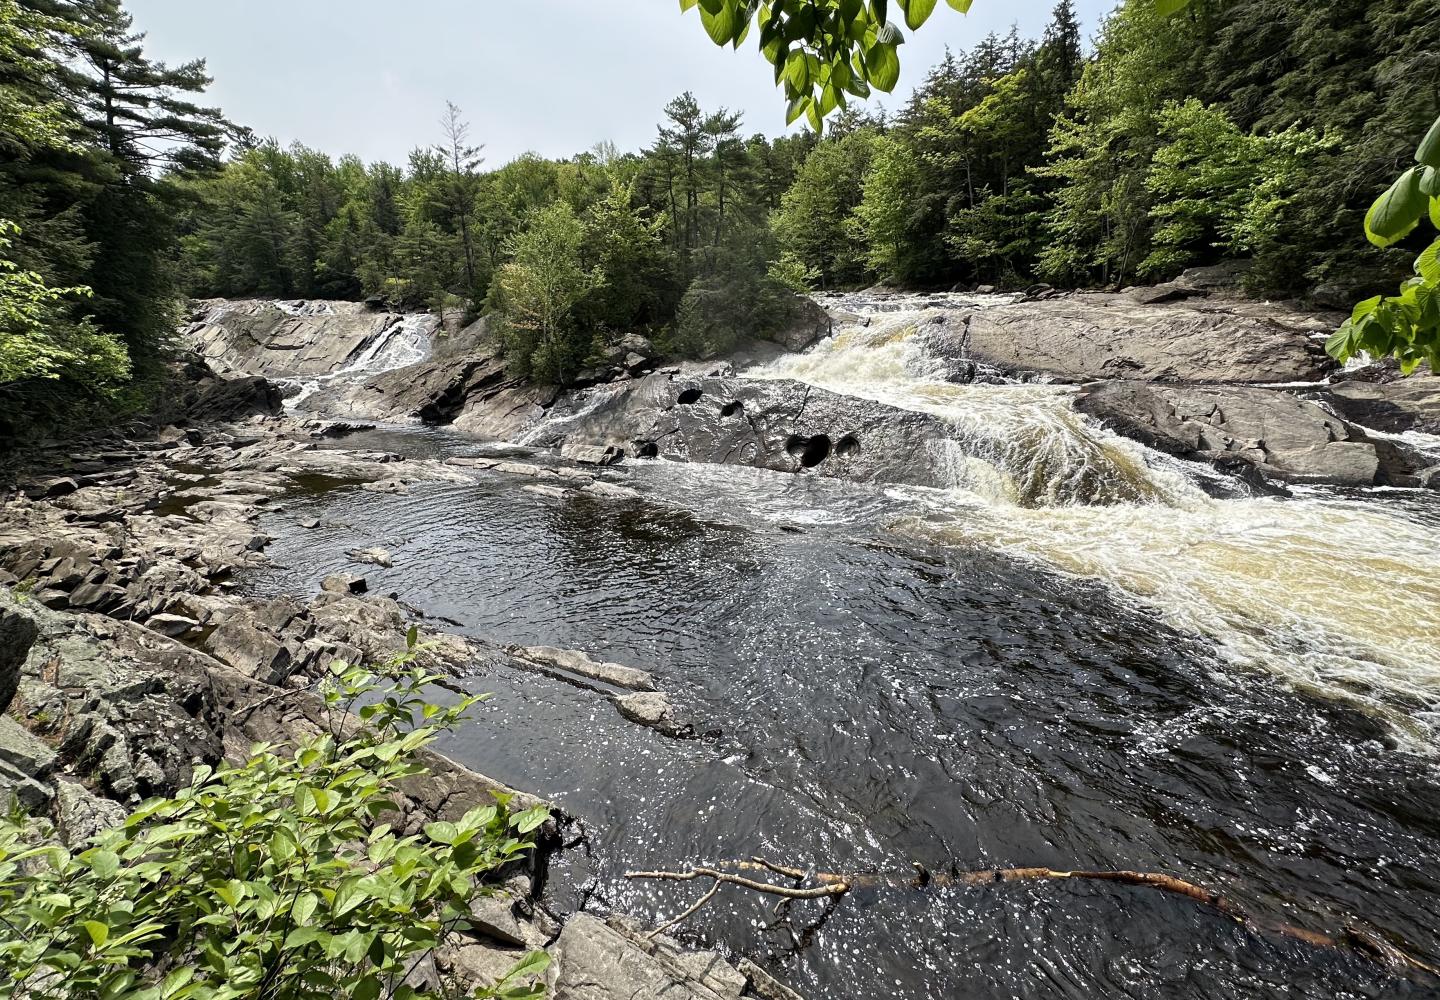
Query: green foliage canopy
{"points": [[276, 878]]}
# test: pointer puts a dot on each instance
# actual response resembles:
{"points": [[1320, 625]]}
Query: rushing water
{"points": [[1075, 657], [407, 341]]}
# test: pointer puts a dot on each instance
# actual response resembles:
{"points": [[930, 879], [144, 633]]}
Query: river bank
{"points": [[130, 656], [916, 607]]}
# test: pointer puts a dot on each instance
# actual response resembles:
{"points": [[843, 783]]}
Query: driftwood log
{"points": [[828, 885]]}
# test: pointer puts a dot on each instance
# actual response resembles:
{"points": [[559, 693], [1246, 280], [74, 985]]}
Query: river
{"points": [[1078, 656]]}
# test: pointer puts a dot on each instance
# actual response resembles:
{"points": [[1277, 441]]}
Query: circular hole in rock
{"points": [[810, 451], [689, 397], [733, 409], [848, 446], [646, 449]]}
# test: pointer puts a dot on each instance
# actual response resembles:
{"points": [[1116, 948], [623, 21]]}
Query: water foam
{"points": [[1338, 597], [405, 342]]}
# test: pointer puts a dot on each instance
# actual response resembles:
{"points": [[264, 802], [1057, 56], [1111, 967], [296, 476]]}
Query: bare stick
{"points": [[688, 913], [832, 885], [281, 696], [818, 892]]}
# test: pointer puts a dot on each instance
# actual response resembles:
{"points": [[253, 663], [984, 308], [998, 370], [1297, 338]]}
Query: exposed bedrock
{"points": [[1089, 336], [781, 425], [265, 337], [1278, 434], [473, 391], [1405, 404]]}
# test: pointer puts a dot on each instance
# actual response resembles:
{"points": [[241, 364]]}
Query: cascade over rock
{"points": [[264, 337]]}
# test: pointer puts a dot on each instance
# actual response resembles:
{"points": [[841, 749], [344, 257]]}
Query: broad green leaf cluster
{"points": [[827, 51], [1405, 326], [277, 878], [824, 51]]}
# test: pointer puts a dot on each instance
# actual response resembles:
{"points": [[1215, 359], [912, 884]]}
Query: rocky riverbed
{"points": [[128, 658], [1084, 456]]}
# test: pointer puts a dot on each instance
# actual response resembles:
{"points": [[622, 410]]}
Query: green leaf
{"points": [[687, 4], [1338, 346], [797, 71], [99, 933], [917, 12], [1428, 152], [531, 819], [103, 863], [880, 10], [882, 66], [1397, 212], [721, 25], [305, 908], [442, 832], [1169, 7], [531, 965], [963, 6], [1427, 265], [889, 35], [1365, 308]]}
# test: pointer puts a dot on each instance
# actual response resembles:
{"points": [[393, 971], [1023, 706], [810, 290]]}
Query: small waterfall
{"points": [[405, 342], [1011, 443]]}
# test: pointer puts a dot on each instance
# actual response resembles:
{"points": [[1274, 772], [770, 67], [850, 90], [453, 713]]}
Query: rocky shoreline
{"points": [[128, 657]]}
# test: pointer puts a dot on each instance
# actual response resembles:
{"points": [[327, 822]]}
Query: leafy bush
{"points": [[273, 879], [39, 341]]}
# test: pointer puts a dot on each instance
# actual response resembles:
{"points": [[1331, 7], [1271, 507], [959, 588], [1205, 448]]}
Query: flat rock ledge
{"points": [[1276, 434]]}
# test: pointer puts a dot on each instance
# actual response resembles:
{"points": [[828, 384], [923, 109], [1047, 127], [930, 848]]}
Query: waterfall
{"points": [[1010, 443], [405, 342], [1335, 594]]}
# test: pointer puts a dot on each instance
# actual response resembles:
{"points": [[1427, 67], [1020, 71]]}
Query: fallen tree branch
{"points": [[829, 888], [245, 712], [688, 913], [831, 885]]}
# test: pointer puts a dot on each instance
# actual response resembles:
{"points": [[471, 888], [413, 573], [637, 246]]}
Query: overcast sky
{"points": [[371, 77]]}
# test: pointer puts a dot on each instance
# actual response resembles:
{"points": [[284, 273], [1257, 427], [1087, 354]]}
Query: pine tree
{"points": [[458, 187]]}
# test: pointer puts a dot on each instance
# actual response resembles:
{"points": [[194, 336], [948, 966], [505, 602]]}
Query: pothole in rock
{"points": [[809, 451], [689, 397], [848, 446], [733, 409], [646, 449]]}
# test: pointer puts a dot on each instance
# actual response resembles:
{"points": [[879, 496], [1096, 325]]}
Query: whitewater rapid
{"points": [[1338, 595]]}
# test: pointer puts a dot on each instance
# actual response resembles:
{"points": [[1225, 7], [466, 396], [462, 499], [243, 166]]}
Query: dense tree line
{"points": [[1239, 128], [1250, 128], [92, 136], [674, 241]]}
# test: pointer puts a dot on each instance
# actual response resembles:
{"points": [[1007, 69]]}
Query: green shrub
{"points": [[273, 879]]}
